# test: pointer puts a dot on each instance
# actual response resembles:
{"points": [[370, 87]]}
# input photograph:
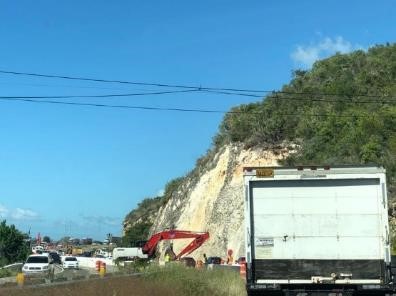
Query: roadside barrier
{"points": [[102, 270], [97, 265], [20, 279], [242, 270], [103, 265]]}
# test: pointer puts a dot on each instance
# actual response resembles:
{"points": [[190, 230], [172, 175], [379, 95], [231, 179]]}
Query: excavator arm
{"points": [[195, 244], [199, 238]]}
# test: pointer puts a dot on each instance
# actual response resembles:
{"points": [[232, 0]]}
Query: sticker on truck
{"points": [[264, 247]]}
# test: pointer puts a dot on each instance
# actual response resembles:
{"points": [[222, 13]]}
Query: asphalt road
{"points": [[60, 275]]}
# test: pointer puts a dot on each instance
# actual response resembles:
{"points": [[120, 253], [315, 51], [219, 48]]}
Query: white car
{"points": [[70, 262], [39, 265]]}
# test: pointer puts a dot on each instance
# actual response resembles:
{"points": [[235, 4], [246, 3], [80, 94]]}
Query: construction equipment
{"points": [[77, 251], [149, 248], [199, 238]]}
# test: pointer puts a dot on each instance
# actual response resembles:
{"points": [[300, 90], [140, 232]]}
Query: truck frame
{"points": [[317, 231]]}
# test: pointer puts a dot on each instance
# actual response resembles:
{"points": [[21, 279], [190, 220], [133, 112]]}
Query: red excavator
{"points": [[151, 245]]}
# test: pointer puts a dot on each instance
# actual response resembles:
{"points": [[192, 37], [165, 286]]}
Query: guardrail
{"points": [[12, 265]]}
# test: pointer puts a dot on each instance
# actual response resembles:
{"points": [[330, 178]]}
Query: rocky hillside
{"points": [[214, 201], [210, 199], [342, 111]]}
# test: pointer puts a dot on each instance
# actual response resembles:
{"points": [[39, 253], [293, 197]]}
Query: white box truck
{"points": [[317, 231], [123, 254]]}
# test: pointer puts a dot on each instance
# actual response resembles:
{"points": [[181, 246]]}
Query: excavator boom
{"points": [[199, 238]]}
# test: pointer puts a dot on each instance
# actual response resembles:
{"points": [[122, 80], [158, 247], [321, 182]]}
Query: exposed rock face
{"points": [[212, 200]]}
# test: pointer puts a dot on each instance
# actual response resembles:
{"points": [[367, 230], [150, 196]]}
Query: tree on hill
{"points": [[138, 219], [46, 239], [136, 234], [342, 111]]}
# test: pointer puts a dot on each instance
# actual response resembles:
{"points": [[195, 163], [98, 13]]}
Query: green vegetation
{"points": [[139, 218], [170, 188], [5, 273], [137, 233], [13, 246], [342, 111], [139, 224], [190, 281], [10, 272], [46, 239], [174, 279]]}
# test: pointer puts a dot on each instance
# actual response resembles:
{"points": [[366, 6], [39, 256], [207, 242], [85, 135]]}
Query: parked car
{"points": [[188, 261], [70, 262], [214, 260], [55, 257], [38, 265]]}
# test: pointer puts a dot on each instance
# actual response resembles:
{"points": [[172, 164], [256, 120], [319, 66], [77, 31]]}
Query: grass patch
{"points": [[10, 271], [171, 280], [4, 272], [190, 281]]}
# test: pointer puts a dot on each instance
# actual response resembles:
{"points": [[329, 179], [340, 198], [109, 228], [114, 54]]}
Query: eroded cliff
{"points": [[213, 200]]}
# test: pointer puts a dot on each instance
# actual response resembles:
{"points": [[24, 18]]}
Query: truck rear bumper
{"points": [[318, 290]]}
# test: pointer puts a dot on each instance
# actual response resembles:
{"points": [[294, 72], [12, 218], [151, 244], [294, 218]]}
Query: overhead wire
{"points": [[185, 89], [98, 96], [111, 105], [75, 86], [137, 107], [185, 86], [275, 96]]}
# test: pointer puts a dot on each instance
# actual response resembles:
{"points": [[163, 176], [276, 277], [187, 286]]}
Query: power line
{"points": [[176, 109], [131, 82], [112, 106], [231, 93], [185, 86], [196, 90], [97, 80], [75, 86], [98, 96]]}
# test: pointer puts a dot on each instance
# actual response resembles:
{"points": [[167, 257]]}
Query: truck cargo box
{"points": [[317, 228]]}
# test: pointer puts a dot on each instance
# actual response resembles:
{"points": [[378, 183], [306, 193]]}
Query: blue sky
{"points": [[67, 170]]}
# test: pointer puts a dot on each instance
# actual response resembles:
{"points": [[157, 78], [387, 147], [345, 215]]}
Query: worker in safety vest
{"points": [[167, 258]]}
